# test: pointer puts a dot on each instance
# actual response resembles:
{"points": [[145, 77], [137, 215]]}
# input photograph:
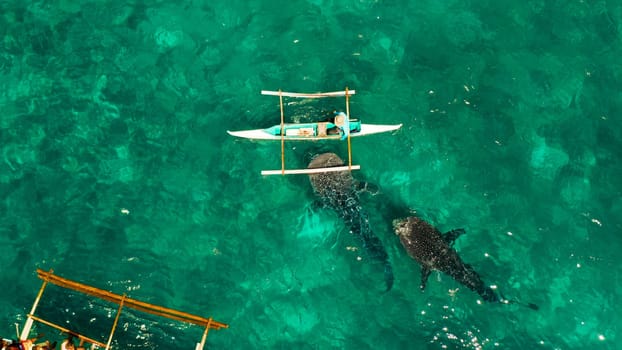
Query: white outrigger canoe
{"points": [[341, 127], [313, 131]]}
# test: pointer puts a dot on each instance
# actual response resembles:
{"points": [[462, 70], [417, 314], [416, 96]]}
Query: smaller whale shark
{"points": [[339, 191], [433, 251]]}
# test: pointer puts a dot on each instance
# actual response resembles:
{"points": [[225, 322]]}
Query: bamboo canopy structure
{"points": [[122, 301]]}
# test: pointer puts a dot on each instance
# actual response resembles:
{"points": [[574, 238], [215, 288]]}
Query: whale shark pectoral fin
{"points": [[451, 236], [425, 273]]}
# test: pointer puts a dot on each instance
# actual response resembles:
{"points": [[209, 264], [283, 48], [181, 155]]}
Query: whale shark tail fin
{"points": [[532, 306], [488, 294]]}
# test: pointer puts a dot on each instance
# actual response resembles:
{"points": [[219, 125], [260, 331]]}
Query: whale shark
{"points": [[434, 251], [340, 192]]}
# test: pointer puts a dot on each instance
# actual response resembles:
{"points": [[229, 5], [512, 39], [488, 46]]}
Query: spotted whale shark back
{"points": [[433, 251], [337, 191]]}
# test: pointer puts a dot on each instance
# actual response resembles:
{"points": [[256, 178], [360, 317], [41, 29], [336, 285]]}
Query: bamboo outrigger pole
{"points": [[304, 95], [282, 134], [116, 321], [202, 344], [348, 126], [28, 325], [311, 170]]}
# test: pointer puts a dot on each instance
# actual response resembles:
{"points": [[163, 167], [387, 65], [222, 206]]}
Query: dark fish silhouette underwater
{"points": [[433, 251]]}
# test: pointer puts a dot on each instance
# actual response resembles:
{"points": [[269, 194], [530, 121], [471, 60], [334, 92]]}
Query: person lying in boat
{"points": [[339, 124], [343, 123]]}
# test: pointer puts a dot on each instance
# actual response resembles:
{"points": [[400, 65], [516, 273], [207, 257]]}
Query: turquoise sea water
{"points": [[116, 169]]}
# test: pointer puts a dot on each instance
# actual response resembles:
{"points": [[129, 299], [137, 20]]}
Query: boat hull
{"points": [[262, 134]]}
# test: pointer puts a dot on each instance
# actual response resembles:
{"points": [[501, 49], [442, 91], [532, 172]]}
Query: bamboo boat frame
{"points": [[122, 300], [347, 93]]}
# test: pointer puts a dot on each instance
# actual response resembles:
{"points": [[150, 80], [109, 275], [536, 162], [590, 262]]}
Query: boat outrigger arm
{"points": [[347, 93], [122, 301]]}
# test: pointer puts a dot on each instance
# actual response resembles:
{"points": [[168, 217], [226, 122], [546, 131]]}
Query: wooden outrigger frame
{"points": [[122, 301], [347, 93]]}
